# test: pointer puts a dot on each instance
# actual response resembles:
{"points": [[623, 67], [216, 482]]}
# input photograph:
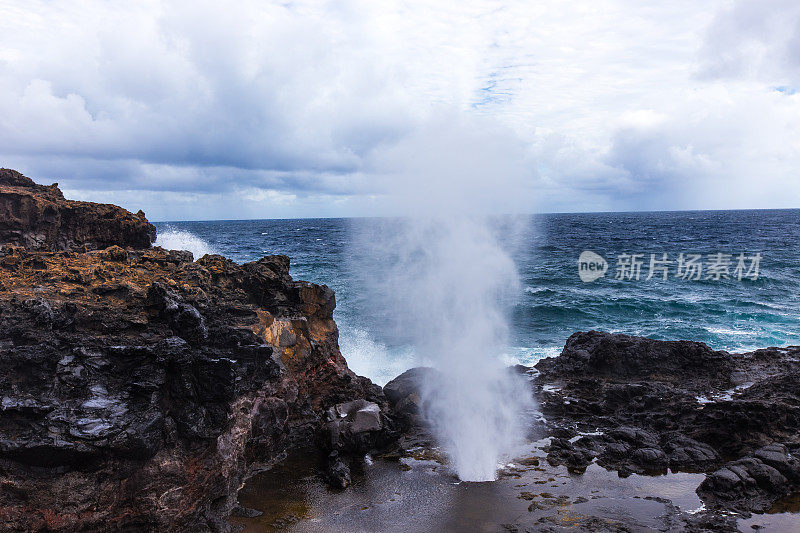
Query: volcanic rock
{"points": [[646, 405], [139, 388], [404, 394], [38, 217]]}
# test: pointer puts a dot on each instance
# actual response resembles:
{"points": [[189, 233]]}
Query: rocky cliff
{"points": [[138, 388], [38, 217]]}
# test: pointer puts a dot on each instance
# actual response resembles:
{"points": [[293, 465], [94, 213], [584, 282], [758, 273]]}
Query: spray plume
{"points": [[447, 277]]}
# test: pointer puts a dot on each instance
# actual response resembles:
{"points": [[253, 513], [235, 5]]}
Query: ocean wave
{"points": [[538, 290], [524, 355], [372, 359], [729, 331], [175, 239]]}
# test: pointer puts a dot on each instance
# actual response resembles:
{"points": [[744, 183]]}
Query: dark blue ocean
{"points": [[710, 304]]}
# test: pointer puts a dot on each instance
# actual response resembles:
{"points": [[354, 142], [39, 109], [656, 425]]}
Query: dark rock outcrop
{"points": [[753, 482], [595, 354], [38, 217], [404, 394], [139, 388], [352, 429], [640, 405]]}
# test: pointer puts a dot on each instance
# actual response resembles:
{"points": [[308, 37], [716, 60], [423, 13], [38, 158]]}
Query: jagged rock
{"points": [[185, 319], [139, 388], [777, 456], [753, 483], [337, 472], [38, 217], [744, 485], [354, 428], [614, 355], [688, 454], [657, 404], [573, 455], [650, 458]]}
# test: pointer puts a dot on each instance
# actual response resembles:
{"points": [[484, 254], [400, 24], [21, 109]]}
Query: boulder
{"points": [[744, 485], [354, 426], [623, 357], [337, 472], [404, 394], [688, 454]]}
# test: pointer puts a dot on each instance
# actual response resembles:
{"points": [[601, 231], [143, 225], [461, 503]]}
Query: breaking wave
{"points": [[175, 239]]}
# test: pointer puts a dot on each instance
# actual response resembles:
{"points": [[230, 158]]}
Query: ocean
{"points": [[732, 278]]}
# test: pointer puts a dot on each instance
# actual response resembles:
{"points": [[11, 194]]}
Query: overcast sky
{"points": [[202, 110]]}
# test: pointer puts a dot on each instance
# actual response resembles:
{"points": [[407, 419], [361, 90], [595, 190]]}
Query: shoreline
{"points": [[596, 461], [148, 386]]}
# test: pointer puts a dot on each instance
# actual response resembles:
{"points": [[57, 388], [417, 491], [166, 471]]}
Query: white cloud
{"points": [[307, 108]]}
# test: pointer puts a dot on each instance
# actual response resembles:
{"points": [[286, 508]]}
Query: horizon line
{"points": [[494, 215]]}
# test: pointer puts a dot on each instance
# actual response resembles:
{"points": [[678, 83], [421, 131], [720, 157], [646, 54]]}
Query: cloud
{"points": [[189, 84], [312, 108], [755, 40]]}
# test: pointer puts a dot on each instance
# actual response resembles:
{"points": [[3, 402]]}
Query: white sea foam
{"points": [[175, 239], [525, 355], [535, 290], [367, 357], [729, 331]]}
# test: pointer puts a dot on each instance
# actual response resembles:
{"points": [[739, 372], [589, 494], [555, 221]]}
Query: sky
{"points": [[209, 110]]}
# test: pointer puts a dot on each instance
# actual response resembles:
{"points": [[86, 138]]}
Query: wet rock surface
{"points": [[417, 492], [405, 392], [638, 405], [352, 430], [139, 388]]}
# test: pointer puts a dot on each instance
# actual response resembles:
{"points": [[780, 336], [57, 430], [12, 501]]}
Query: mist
{"points": [[177, 239], [444, 275]]}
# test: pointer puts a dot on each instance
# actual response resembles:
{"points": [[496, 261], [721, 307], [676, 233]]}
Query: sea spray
{"points": [[368, 357], [175, 239], [444, 276], [449, 284]]}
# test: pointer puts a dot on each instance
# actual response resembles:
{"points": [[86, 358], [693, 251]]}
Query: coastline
{"points": [[635, 434], [143, 387]]}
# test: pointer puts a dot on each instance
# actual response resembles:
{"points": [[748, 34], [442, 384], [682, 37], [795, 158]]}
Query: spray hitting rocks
{"points": [[445, 277]]}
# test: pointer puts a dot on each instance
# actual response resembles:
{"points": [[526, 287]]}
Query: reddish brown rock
{"points": [[38, 217], [139, 389]]}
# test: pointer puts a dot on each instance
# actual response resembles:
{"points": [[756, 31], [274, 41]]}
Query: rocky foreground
{"points": [[638, 405], [652, 405], [139, 387]]}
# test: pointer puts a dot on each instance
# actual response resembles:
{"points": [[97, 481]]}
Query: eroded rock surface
{"points": [[639, 405], [139, 388], [140, 391], [38, 217]]}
